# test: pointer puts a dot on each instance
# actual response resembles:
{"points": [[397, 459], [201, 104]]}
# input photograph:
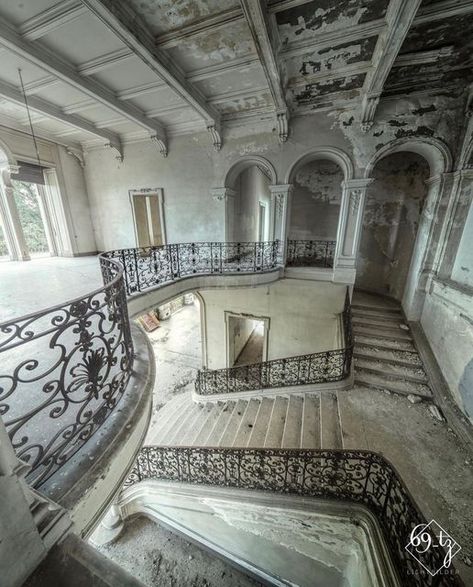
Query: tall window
{"points": [[27, 202]]}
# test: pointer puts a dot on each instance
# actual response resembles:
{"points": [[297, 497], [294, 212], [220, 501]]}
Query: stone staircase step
{"points": [[246, 425], [276, 423], [217, 430], [208, 423], [352, 430], [291, 437], [184, 423], [395, 355], [383, 342], [387, 333], [188, 425], [378, 317], [310, 435], [392, 370], [377, 309], [260, 428], [330, 433], [388, 358], [231, 428], [166, 417], [380, 382], [383, 325]]}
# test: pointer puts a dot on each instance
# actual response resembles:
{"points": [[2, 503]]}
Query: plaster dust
{"points": [[435, 465], [178, 353], [156, 556]]}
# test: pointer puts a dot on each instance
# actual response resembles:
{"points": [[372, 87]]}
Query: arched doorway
{"points": [[248, 200], [393, 207]]}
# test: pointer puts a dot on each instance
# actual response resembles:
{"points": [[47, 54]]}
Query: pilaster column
{"points": [[11, 221], [460, 202], [280, 216], [227, 197], [425, 256], [350, 224]]}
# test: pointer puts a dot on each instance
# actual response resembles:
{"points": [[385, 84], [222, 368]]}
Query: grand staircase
{"points": [[386, 360], [296, 421]]}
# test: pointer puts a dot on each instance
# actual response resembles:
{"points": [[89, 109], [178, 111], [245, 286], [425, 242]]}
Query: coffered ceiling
{"points": [[114, 71]]}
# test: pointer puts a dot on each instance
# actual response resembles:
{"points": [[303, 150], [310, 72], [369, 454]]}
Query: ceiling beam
{"points": [[45, 108], [442, 10], [206, 24], [51, 19], [126, 24], [255, 14], [341, 36], [399, 18], [66, 72]]}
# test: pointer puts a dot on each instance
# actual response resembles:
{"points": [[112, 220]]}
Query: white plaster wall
{"points": [[73, 187], [187, 175], [447, 320], [303, 317], [463, 266], [253, 188]]}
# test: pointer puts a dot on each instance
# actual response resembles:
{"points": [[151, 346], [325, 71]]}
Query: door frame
{"points": [[266, 323], [149, 192]]}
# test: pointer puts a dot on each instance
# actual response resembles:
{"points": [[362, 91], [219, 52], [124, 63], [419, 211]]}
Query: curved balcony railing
{"points": [[316, 368], [306, 253], [64, 370], [148, 267], [359, 477]]}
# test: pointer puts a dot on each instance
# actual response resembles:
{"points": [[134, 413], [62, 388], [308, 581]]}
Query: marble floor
{"points": [[30, 286]]}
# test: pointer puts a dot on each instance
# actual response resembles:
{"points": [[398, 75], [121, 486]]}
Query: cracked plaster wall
{"points": [[316, 200], [391, 217]]}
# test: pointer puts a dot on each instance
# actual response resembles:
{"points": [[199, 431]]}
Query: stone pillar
{"points": [[460, 203], [350, 226], [11, 221], [227, 197], [280, 216], [109, 528], [425, 257]]}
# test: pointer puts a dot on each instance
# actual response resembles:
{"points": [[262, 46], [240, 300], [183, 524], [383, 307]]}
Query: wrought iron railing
{"points": [[63, 371], [149, 267], [323, 367], [359, 477], [302, 253]]}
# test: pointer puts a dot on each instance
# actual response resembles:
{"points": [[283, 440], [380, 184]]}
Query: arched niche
{"points": [[317, 180], [433, 150], [248, 199]]}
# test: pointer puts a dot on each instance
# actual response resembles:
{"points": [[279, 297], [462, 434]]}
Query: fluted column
{"points": [[350, 226], [280, 214]]}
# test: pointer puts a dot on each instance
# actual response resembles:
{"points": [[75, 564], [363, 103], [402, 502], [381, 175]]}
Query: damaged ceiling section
{"points": [[112, 72]]}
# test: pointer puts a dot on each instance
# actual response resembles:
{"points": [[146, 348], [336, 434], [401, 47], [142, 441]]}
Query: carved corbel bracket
{"points": [[283, 126], [118, 148], [368, 110], [162, 146], [78, 155], [216, 136]]}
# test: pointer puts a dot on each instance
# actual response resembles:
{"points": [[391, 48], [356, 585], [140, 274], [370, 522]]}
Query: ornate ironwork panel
{"points": [[149, 267], [63, 372], [318, 253], [360, 477]]}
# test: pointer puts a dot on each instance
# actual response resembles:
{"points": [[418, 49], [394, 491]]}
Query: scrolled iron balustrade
{"points": [[63, 372], [307, 253], [323, 367], [360, 477], [149, 267]]}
